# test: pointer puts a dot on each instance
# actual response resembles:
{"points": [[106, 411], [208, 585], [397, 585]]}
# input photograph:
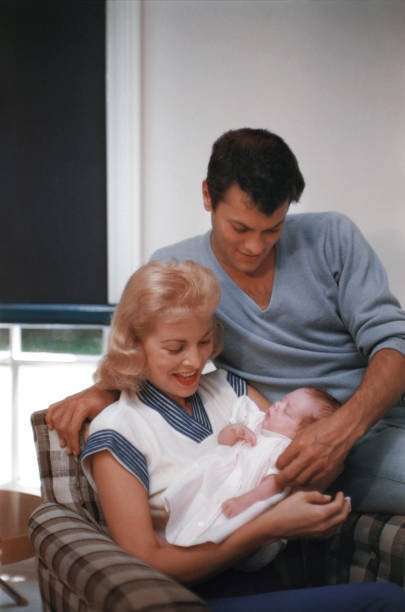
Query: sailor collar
{"points": [[196, 426]]}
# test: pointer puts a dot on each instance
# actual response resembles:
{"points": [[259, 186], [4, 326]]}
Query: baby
{"points": [[234, 478], [285, 417]]}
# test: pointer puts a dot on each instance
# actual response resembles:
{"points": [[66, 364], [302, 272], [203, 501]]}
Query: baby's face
{"points": [[286, 415]]}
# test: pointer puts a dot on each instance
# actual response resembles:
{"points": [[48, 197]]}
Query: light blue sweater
{"points": [[330, 309]]}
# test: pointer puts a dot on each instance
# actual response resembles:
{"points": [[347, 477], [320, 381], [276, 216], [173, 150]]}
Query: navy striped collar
{"points": [[196, 426]]}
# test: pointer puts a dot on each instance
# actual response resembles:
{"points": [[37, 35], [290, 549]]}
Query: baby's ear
{"points": [[305, 421]]}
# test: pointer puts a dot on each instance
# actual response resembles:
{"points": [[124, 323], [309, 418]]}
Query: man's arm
{"points": [[316, 453], [68, 415]]}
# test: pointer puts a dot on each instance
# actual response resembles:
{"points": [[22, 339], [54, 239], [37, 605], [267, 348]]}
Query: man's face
{"points": [[242, 236]]}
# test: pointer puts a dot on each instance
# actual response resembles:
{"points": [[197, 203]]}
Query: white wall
{"points": [[328, 76]]}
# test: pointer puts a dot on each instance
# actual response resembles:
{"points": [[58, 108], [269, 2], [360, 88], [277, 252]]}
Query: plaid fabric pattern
{"points": [[82, 569], [378, 547], [62, 479], [56, 596], [368, 547]]}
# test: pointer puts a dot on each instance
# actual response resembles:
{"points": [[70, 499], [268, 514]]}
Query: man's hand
{"points": [[316, 455], [68, 415]]}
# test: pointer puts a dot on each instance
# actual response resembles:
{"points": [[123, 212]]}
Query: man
{"points": [[305, 301]]}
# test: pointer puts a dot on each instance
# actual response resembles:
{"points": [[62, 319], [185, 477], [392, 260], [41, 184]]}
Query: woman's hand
{"points": [[307, 513], [68, 415]]}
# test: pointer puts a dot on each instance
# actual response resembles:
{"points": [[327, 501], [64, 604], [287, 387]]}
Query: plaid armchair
{"points": [[80, 567]]}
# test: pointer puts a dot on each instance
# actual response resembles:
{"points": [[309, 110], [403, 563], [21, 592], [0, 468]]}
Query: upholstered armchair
{"points": [[80, 568]]}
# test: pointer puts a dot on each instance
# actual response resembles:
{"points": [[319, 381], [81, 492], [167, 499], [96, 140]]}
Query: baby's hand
{"points": [[244, 434], [230, 507], [231, 434]]}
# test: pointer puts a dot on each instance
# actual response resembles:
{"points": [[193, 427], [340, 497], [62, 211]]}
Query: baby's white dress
{"points": [[194, 501]]}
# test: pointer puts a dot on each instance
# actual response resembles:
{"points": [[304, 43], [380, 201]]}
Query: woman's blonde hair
{"points": [[157, 289]]}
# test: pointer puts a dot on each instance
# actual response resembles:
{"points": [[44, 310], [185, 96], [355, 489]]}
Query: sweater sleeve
{"points": [[369, 310]]}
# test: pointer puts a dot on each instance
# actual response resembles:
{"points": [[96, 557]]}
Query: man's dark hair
{"points": [[260, 163]]}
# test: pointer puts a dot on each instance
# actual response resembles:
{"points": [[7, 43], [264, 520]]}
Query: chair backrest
{"points": [[62, 478]]}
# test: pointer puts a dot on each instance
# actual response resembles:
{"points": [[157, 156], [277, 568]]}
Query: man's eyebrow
{"points": [[268, 229], [276, 226], [240, 223]]}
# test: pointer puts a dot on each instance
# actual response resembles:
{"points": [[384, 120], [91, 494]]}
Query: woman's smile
{"points": [[189, 379]]}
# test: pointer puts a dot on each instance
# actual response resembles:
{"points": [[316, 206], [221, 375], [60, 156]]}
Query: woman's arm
{"points": [[126, 508]]}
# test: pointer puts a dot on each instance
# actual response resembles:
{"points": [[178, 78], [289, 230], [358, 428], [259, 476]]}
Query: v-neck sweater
{"points": [[330, 310]]}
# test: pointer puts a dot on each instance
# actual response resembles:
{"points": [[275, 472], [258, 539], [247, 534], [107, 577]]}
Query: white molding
{"points": [[123, 95], [15, 347]]}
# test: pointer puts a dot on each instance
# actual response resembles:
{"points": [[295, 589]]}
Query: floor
{"points": [[22, 577]]}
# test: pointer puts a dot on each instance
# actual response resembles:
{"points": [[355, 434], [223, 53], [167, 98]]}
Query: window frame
{"points": [[15, 357]]}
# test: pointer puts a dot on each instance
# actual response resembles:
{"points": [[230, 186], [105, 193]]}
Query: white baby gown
{"points": [[194, 501]]}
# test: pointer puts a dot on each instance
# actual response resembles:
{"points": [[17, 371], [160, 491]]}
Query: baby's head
{"points": [[299, 409], [163, 329]]}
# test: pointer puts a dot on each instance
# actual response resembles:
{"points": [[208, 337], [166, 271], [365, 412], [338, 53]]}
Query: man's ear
{"points": [[206, 197]]}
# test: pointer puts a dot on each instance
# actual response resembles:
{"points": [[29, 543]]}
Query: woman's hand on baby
{"points": [[67, 416], [316, 455], [308, 513]]}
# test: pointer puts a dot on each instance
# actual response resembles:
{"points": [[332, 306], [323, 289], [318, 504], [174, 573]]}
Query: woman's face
{"points": [[176, 352]]}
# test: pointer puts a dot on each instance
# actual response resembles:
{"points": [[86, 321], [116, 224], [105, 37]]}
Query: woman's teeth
{"points": [[186, 378]]}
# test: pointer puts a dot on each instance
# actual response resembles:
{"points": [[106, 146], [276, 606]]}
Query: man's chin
{"points": [[248, 266]]}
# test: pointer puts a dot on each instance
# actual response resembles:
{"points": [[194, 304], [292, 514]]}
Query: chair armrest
{"points": [[98, 571], [367, 547]]}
